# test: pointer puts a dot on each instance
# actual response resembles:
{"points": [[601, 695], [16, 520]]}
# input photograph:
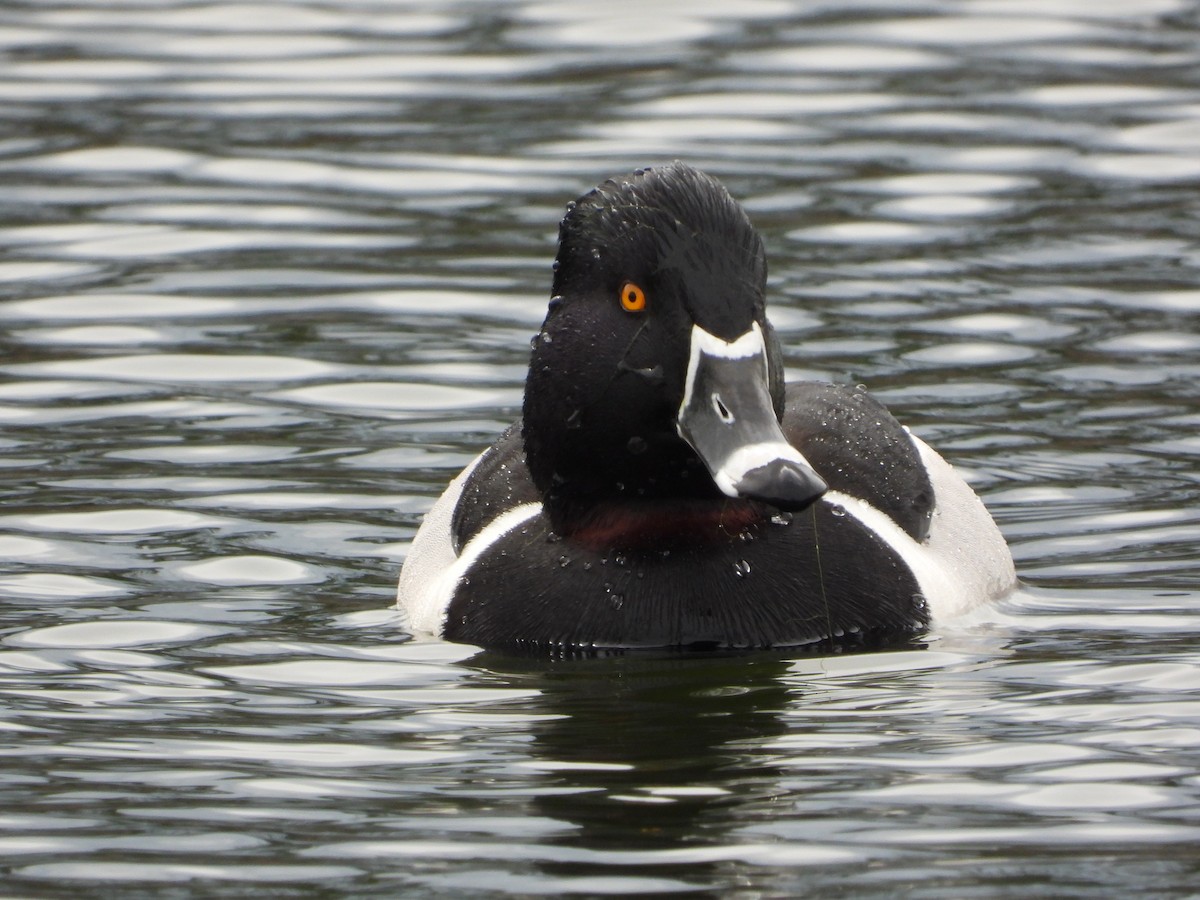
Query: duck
{"points": [[666, 490]]}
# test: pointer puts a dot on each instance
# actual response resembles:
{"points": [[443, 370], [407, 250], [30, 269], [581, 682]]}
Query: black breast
{"points": [[822, 580]]}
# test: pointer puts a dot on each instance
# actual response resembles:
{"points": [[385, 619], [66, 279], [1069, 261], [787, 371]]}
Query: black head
{"points": [[646, 263], [678, 234]]}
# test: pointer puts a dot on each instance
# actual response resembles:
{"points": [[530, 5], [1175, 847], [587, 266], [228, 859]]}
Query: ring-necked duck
{"points": [[666, 489]]}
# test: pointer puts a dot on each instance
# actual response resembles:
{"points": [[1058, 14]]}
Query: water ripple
{"points": [[269, 282]]}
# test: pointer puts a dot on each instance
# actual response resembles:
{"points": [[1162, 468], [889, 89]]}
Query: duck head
{"points": [[656, 373]]}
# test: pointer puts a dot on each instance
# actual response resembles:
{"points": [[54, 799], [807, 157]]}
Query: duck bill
{"points": [[728, 419]]}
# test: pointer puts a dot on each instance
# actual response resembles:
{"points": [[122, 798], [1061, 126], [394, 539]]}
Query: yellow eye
{"points": [[633, 298]]}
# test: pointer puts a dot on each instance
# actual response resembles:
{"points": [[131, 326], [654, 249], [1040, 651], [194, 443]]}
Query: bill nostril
{"points": [[722, 410]]}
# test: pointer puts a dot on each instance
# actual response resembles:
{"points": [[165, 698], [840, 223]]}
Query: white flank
{"points": [[964, 561], [430, 553], [432, 570]]}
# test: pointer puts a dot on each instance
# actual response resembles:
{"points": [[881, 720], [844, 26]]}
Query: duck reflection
{"points": [[636, 752]]}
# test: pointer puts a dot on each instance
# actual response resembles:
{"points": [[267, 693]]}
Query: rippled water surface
{"points": [[269, 272]]}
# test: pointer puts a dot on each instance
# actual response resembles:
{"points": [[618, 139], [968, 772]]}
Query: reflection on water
{"points": [[267, 281]]}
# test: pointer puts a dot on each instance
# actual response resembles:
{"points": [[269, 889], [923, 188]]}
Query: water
{"points": [[269, 274]]}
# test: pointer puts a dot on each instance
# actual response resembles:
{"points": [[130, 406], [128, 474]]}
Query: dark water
{"points": [[269, 273]]}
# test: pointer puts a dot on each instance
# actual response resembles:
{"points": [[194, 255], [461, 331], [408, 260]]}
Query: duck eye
{"points": [[633, 298]]}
